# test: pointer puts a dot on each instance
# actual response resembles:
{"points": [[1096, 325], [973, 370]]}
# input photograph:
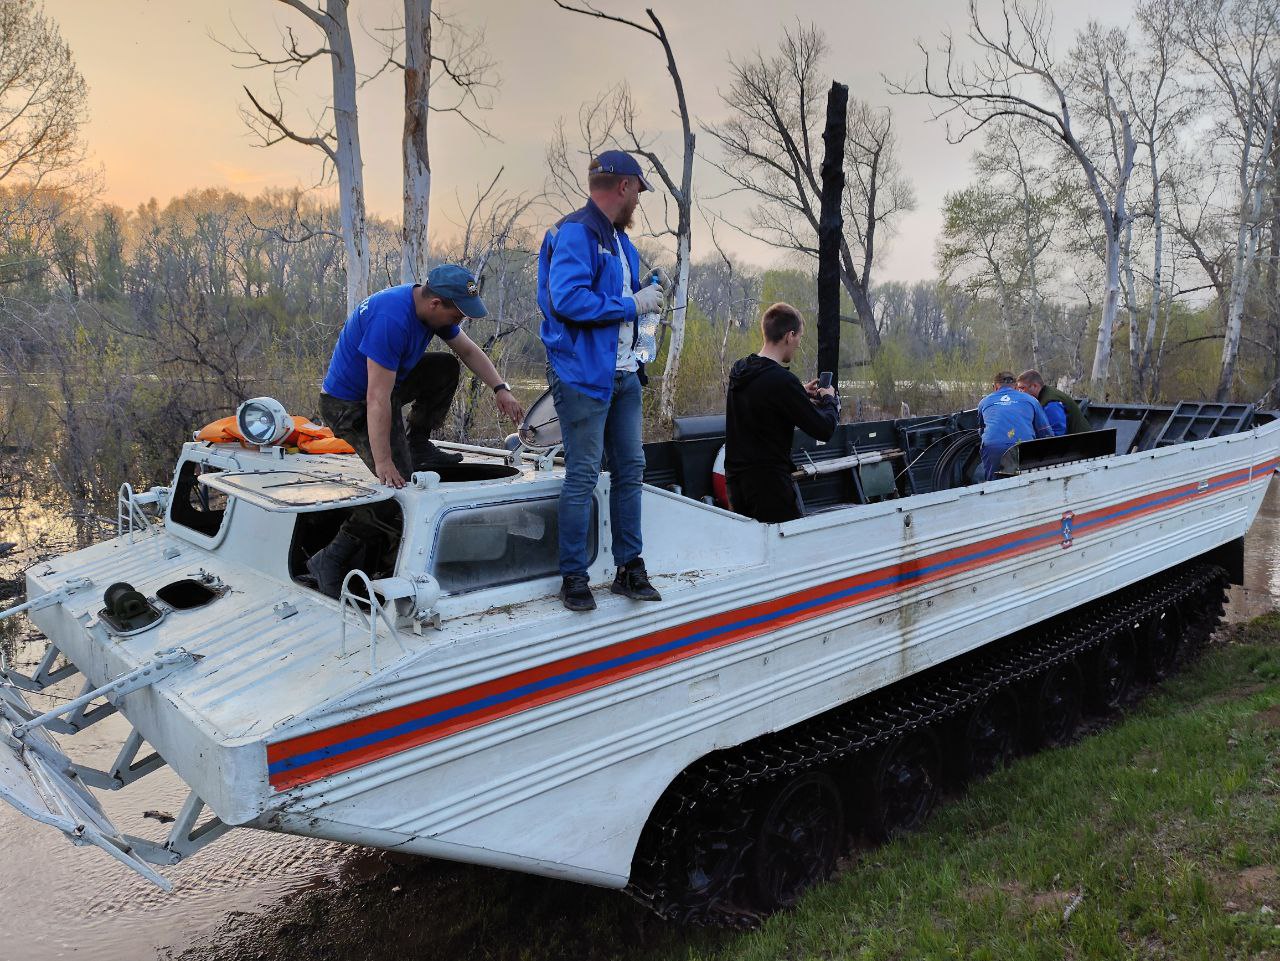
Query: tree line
{"points": [[1121, 232]]}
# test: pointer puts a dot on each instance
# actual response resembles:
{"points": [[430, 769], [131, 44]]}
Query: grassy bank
{"points": [[1158, 837]]}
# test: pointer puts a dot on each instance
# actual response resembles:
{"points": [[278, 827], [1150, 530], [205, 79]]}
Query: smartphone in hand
{"points": [[824, 380]]}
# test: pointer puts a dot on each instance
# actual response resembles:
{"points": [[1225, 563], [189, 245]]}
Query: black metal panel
{"points": [[1193, 421], [1052, 451]]}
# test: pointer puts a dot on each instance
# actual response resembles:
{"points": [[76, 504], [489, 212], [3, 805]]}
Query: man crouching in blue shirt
{"points": [[1007, 418], [590, 292], [380, 364]]}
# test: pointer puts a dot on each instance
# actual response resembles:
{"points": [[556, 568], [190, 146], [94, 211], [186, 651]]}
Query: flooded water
{"points": [[57, 901]]}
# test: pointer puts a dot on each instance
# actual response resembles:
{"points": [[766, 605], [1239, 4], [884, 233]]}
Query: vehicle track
{"points": [[692, 862]]}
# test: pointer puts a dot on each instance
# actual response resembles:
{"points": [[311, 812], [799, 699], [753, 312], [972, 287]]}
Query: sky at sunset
{"points": [[165, 96]]}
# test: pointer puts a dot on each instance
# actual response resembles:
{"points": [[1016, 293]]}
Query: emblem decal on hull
{"points": [[1067, 535]]}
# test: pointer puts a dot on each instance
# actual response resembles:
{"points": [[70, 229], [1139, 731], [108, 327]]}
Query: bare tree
{"points": [[776, 113], [42, 98], [1160, 107], [339, 140], [1017, 76], [430, 48], [42, 115], [681, 193], [1234, 43]]}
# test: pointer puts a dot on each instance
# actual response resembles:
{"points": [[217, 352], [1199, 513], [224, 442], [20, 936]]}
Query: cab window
{"points": [[493, 544]]}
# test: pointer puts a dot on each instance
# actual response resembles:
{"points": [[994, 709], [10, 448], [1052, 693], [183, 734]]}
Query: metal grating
{"points": [[1194, 421]]}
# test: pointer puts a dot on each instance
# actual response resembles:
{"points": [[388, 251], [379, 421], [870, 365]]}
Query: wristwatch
{"points": [[503, 386]]}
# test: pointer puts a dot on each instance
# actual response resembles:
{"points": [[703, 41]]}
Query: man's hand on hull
{"points": [[509, 406], [387, 474]]}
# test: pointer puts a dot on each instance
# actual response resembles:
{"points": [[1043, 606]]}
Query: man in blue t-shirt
{"points": [[1008, 416], [381, 364]]}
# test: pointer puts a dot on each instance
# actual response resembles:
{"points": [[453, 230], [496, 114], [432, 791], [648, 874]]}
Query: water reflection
{"points": [[61, 901]]}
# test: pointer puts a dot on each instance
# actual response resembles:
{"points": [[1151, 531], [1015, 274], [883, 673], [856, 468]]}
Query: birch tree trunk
{"points": [[1157, 278], [347, 157], [1110, 304], [1252, 182], [417, 163]]}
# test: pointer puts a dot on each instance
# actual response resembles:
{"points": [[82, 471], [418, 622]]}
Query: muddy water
{"points": [[57, 901]]}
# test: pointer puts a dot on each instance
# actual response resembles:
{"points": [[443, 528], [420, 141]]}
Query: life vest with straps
{"points": [[307, 437]]}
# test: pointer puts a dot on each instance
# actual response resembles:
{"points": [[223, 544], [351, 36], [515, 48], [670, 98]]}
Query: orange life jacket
{"points": [[307, 437]]}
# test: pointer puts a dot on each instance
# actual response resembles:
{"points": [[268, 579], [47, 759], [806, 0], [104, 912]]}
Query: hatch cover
{"points": [[293, 492]]}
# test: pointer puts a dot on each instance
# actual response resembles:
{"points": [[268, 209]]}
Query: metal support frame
{"points": [[164, 664], [125, 769], [377, 612], [186, 837]]}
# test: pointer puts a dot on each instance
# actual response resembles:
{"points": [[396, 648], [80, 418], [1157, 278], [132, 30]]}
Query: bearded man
{"points": [[591, 294]]}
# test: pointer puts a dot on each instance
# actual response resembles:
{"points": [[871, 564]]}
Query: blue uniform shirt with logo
{"points": [[385, 329], [1010, 416]]}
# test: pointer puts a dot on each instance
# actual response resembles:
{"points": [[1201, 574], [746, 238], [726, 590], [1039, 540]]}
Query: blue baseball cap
{"points": [[621, 163], [457, 284]]}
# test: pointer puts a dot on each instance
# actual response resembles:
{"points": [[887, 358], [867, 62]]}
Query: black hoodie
{"points": [[766, 403]]}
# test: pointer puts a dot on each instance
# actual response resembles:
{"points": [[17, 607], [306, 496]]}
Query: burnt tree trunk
{"points": [[831, 230]]}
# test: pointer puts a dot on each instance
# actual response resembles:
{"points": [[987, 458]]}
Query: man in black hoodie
{"points": [[766, 403]]}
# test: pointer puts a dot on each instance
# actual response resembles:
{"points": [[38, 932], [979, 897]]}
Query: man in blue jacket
{"points": [[1008, 416], [591, 293]]}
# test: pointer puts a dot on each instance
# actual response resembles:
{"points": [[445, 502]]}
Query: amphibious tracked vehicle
{"points": [[712, 753]]}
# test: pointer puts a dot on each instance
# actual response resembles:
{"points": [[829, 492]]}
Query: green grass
{"points": [[1163, 831]]}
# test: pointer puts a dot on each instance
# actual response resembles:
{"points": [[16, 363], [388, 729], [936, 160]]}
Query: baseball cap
{"points": [[457, 284], [621, 163]]}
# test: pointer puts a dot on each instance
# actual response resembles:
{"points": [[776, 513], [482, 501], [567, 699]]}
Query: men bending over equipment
{"points": [[1063, 413], [1008, 416], [766, 403]]}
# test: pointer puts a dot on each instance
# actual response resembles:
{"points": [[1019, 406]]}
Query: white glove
{"points": [[648, 299]]}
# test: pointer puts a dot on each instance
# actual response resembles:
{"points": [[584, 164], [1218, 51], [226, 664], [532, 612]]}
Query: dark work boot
{"points": [[427, 455], [576, 593], [632, 581], [330, 564]]}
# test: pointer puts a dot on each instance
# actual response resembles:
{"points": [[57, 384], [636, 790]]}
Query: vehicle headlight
{"points": [[263, 421]]}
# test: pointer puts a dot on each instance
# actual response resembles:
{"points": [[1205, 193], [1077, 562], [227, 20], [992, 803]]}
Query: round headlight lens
{"points": [[263, 421]]}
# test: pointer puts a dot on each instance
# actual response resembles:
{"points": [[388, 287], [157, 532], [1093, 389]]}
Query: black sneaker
{"points": [[427, 455], [576, 593], [632, 581]]}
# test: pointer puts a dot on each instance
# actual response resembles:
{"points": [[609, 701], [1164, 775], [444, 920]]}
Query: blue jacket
{"points": [[580, 293], [1010, 416]]}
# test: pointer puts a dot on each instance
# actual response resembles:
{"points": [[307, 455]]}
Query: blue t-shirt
{"points": [[385, 329], [1010, 416]]}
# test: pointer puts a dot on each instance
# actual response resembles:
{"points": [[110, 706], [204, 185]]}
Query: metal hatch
{"points": [[293, 492], [38, 779]]}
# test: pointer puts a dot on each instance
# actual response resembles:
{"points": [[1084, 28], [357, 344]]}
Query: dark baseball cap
{"points": [[621, 163], [457, 284]]}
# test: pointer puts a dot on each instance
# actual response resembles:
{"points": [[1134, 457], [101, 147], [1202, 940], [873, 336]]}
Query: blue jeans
{"points": [[592, 430]]}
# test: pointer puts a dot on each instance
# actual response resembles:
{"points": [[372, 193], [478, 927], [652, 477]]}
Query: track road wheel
{"points": [[1201, 613], [1057, 702], [799, 833], [709, 879], [1162, 643], [904, 786], [991, 734], [1111, 669]]}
